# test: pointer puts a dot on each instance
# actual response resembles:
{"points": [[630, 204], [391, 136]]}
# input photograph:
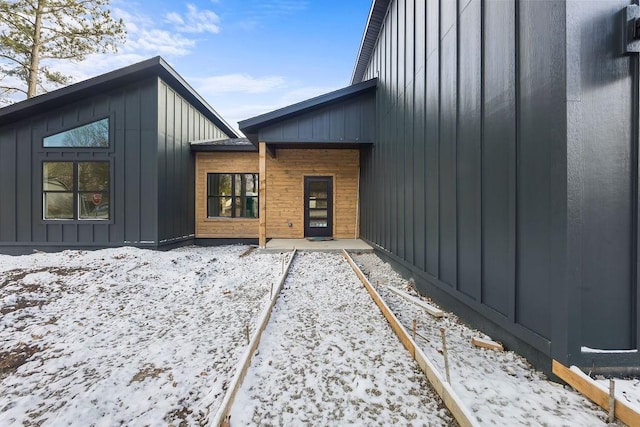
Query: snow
{"points": [[328, 357], [500, 388], [125, 336], [598, 350], [627, 390], [136, 337]]}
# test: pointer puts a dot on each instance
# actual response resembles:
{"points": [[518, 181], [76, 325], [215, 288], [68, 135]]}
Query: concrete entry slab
{"points": [[277, 245]]}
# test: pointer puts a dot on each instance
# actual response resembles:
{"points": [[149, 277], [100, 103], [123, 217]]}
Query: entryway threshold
{"points": [[278, 245]]}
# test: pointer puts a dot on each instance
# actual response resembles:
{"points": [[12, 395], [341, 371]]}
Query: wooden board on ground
{"points": [[222, 412], [595, 392], [451, 400], [492, 345], [434, 311]]}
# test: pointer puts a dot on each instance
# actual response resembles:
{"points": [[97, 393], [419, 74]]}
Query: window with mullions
{"points": [[75, 190], [232, 195], [91, 135]]}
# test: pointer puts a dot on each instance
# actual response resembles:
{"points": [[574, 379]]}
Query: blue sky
{"points": [[245, 57]]}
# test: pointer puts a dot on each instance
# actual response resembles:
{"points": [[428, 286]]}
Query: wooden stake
{"points": [[612, 401], [415, 326], [446, 357], [247, 333]]}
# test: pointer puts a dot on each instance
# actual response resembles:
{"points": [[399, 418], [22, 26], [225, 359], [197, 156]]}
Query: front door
{"points": [[318, 206]]}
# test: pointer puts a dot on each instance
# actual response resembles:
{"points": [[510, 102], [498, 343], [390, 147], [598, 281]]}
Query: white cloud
{"points": [[195, 21], [145, 38], [238, 83]]}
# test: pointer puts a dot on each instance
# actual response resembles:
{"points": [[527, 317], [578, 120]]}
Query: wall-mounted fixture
{"points": [[631, 29]]}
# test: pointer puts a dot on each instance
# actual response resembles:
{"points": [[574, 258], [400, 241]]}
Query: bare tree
{"points": [[33, 31]]}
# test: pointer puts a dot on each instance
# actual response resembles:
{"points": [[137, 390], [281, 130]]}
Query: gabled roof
{"points": [[250, 127], [151, 67], [369, 38]]}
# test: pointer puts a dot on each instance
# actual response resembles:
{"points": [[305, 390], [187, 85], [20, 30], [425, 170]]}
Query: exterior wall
{"points": [[285, 190], [152, 173], [505, 172], [348, 121], [471, 124], [602, 189], [133, 136], [223, 228], [179, 122]]}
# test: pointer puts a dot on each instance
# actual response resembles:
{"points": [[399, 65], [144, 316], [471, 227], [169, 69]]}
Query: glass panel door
{"points": [[318, 210]]}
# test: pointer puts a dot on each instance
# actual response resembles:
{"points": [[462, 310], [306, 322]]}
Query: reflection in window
{"points": [[75, 190], [92, 135], [232, 195]]}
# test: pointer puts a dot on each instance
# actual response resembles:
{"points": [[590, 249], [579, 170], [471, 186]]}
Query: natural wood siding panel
{"points": [[285, 184], [222, 228]]}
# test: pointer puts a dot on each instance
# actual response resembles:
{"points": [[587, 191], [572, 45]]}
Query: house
{"points": [[105, 162], [488, 149], [503, 174]]}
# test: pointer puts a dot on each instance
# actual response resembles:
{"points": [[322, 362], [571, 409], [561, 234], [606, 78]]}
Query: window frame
{"points": [[108, 148], [77, 192], [232, 196]]}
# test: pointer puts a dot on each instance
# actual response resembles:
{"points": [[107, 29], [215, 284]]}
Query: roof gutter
{"points": [[371, 32]]}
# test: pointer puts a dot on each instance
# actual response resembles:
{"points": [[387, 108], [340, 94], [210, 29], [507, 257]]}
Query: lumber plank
{"points": [[434, 311], [233, 387], [491, 345], [450, 398], [584, 384]]}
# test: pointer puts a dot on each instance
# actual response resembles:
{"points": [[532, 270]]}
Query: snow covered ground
{"points": [[134, 337], [500, 388], [125, 336], [328, 357]]}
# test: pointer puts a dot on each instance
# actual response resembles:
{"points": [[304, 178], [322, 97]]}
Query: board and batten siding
{"points": [[152, 200], [223, 228], [505, 171], [285, 190], [179, 123], [133, 204]]}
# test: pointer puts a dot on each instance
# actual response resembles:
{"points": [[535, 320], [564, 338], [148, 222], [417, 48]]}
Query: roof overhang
{"points": [[224, 145], [151, 67], [251, 127], [369, 37]]}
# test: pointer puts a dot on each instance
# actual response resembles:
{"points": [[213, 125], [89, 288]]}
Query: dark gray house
{"points": [[487, 148], [105, 162], [504, 176]]}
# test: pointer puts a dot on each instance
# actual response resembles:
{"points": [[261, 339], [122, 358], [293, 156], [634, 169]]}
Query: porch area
{"points": [[277, 245]]}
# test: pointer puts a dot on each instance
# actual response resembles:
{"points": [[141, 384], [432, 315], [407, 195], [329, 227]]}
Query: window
{"points": [[232, 195], [92, 135], [75, 190]]}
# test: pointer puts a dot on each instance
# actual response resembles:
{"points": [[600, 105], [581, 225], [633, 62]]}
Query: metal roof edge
{"points": [[369, 36], [249, 126], [152, 66], [195, 96]]}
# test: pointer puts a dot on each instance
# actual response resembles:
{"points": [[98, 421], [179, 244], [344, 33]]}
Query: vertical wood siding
{"points": [[285, 190]]}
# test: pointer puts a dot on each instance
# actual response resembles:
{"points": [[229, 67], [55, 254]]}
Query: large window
{"points": [[232, 195], [75, 190], [92, 135]]}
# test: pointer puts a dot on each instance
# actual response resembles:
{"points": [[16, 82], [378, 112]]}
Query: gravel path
{"points": [[328, 357]]}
